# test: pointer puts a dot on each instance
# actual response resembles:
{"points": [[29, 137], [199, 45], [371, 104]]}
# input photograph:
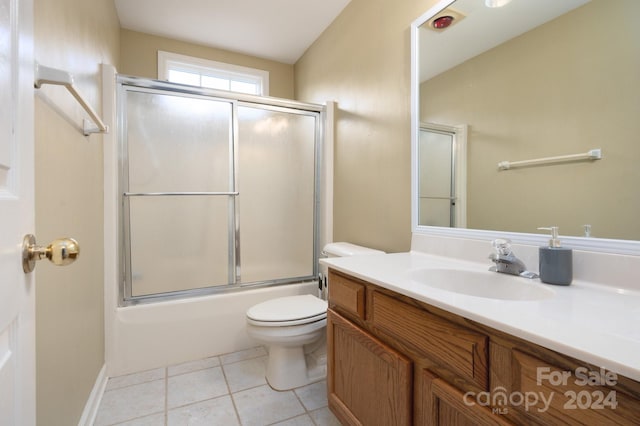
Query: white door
{"points": [[17, 314]]}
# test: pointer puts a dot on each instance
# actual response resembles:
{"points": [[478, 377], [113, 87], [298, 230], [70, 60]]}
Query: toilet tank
{"points": [[340, 249], [347, 249]]}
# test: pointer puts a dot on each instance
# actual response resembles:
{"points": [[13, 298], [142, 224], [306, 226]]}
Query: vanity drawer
{"points": [[346, 293], [451, 346]]}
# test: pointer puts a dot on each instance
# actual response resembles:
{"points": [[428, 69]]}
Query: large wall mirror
{"points": [[530, 80]]}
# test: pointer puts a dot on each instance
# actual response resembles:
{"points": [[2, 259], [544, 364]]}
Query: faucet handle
{"points": [[502, 246]]}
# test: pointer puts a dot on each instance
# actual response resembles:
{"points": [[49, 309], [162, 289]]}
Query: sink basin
{"points": [[490, 285]]}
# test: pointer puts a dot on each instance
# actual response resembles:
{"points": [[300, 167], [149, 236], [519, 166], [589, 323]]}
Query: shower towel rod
{"points": [[48, 75], [594, 154]]}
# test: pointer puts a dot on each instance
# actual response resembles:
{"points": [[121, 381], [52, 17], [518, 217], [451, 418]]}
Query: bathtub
{"points": [[155, 335]]}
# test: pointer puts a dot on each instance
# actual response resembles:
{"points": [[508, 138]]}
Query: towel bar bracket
{"points": [[89, 128]]}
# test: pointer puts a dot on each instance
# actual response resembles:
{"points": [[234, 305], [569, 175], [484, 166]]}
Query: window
{"points": [[211, 74]]}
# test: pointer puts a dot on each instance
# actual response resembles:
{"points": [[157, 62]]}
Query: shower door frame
{"points": [[128, 83], [458, 198]]}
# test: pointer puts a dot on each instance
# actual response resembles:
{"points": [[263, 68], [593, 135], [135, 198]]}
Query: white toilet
{"points": [[294, 329]]}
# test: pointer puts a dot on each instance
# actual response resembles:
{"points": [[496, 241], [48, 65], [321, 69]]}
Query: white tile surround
{"points": [[222, 390]]}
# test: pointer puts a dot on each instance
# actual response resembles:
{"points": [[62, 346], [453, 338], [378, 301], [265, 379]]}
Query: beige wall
{"points": [[564, 88], [74, 35], [139, 57], [362, 61]]}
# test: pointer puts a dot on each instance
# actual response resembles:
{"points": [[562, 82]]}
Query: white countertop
{"points": [[590, 322]]}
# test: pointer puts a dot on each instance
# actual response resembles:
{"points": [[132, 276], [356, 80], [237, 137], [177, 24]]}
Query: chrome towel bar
{"points": [[47, 75]]}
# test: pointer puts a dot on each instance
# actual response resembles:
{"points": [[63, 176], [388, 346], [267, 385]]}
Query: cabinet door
{"points": [[368, 382], [572, 396], [445, 405]]}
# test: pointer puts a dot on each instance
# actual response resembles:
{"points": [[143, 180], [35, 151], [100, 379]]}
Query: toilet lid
{"points": [[290, 308]]}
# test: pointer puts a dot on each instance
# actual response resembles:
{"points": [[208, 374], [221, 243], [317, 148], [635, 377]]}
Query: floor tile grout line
{"points": [[197, 369], [132, 384], [230, 394], [133, 418], [306, 410], [166, 396], [194, 371], [290, 418], [136, 384], [233, 402], [243, 359]]}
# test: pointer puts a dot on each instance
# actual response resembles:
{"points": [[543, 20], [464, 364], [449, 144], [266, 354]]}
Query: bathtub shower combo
{"points": [[218, 201]]}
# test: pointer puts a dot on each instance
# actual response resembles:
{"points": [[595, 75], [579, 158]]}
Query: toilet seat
{"points": [[288, 311]]}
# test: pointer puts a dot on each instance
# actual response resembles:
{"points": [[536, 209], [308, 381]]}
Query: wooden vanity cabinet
{"points": [[393, 360], [369, 383], [382, 345]]}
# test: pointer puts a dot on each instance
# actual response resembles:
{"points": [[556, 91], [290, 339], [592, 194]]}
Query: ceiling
{"points": [[279, 30], [461, 41]]}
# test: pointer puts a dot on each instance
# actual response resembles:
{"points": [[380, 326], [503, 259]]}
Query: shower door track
{"points": [[145, 83]]}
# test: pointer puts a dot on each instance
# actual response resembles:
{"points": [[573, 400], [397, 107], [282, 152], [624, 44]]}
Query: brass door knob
{"points": [[60, 252]]}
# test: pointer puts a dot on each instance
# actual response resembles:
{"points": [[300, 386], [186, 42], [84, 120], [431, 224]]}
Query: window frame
{"points": [[206, 67]]}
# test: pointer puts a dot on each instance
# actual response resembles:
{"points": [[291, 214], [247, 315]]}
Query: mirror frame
{"points": [[602, 245]]}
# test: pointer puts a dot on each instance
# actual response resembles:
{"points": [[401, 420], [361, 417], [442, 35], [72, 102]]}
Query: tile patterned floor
{"points": [[222, 390]]}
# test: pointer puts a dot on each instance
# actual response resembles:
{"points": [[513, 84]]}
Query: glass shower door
{"points": [[276, 180], [179, 177], [218, 191]]}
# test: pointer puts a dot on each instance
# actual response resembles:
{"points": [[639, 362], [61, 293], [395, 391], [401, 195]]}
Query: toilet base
{"points": [[289, 367]]}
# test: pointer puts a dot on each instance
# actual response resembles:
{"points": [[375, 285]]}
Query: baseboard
{"points": [[93, 403]]}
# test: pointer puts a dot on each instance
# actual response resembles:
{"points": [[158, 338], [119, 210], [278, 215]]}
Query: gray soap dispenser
{"points": [[555, 261]]}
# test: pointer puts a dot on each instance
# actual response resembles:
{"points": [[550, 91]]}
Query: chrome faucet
{"points": [[506, 262]]}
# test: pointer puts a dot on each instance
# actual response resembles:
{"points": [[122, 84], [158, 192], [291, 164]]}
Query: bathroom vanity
{"points": [[401, 352]]}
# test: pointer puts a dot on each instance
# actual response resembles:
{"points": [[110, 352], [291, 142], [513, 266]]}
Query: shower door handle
{"points": [[60, 252], [170, 194]]}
